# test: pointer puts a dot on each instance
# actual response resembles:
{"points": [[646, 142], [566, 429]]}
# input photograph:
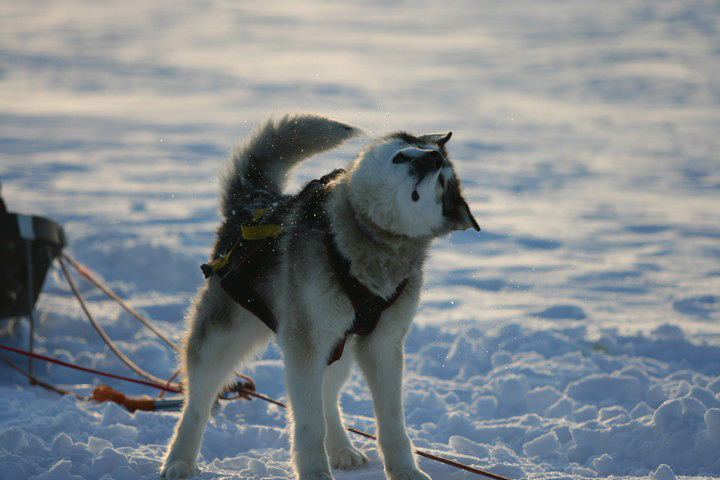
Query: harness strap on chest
{"points": [[368, 306]]}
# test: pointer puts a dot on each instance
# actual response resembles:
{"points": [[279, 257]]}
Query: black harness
{"points": [[241, 267]]}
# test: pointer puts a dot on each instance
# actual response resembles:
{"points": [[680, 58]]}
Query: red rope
{"points": [[422, 453], [169, 383], [89, 370], [459, 465], [34, 381]]}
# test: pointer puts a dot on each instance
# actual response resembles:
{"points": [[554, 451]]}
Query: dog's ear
{"points": [[440, 139]]}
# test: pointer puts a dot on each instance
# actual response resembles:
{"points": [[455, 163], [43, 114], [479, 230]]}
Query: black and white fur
{"points": [[397, 196]]}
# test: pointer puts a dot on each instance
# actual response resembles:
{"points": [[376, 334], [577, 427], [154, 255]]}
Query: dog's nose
{"points": [[434, 159]]}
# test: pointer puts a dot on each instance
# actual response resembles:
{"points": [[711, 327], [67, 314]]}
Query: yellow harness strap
{"points": [[258, 232], [249, 231], [252, 231]]}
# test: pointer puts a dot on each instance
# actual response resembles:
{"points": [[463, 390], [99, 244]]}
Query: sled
{"points": [[28, 245]]}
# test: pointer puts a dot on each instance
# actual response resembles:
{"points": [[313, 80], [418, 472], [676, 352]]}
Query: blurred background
{"points": [[586, 135]]}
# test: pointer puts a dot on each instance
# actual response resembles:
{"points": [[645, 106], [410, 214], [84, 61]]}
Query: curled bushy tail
{"points": [[274, 149]]}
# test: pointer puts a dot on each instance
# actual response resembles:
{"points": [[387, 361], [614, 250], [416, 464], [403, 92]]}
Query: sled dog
{"points": [[334, 273]]}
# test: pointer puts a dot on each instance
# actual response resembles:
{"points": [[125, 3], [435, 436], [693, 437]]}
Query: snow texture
{"points": [[576, 336]]}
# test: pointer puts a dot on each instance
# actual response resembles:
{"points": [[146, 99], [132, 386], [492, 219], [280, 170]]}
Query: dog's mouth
{"points": [[416, 196]]}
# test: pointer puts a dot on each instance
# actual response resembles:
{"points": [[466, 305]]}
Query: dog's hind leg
{"points": [[221, 334], [305, 367], [339, 448]]}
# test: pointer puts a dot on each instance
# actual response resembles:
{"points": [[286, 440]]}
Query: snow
{"points": [[576, 336]]}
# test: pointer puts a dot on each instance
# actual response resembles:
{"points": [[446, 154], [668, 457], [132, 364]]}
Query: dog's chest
{"points": [[381, 274]]}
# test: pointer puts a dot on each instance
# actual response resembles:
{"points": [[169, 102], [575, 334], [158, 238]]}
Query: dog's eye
{"points": [[401, 158]]}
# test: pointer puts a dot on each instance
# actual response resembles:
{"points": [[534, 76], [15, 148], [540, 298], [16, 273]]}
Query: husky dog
{"points": [[340, 277]]}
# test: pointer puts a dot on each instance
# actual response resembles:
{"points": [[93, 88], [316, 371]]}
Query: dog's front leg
{"points": [[304, 370], [339, 448], [380, 357]]}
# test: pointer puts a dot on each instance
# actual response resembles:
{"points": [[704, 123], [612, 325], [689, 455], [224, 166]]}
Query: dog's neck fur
{"points": [[372, 232], [379, 259]]}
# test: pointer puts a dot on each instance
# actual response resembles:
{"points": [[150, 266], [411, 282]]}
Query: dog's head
{"points": [[407, 185]]}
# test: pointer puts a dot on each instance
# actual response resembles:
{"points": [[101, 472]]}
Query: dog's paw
{"points": [[409, 474], [316, 476], [179, 468], [346, 458]]}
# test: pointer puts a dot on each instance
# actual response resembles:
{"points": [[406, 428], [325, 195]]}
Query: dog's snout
{"points": [[435, 159], [434, 155]]}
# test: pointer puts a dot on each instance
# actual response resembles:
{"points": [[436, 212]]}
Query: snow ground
{"points": [[577, 336]]}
